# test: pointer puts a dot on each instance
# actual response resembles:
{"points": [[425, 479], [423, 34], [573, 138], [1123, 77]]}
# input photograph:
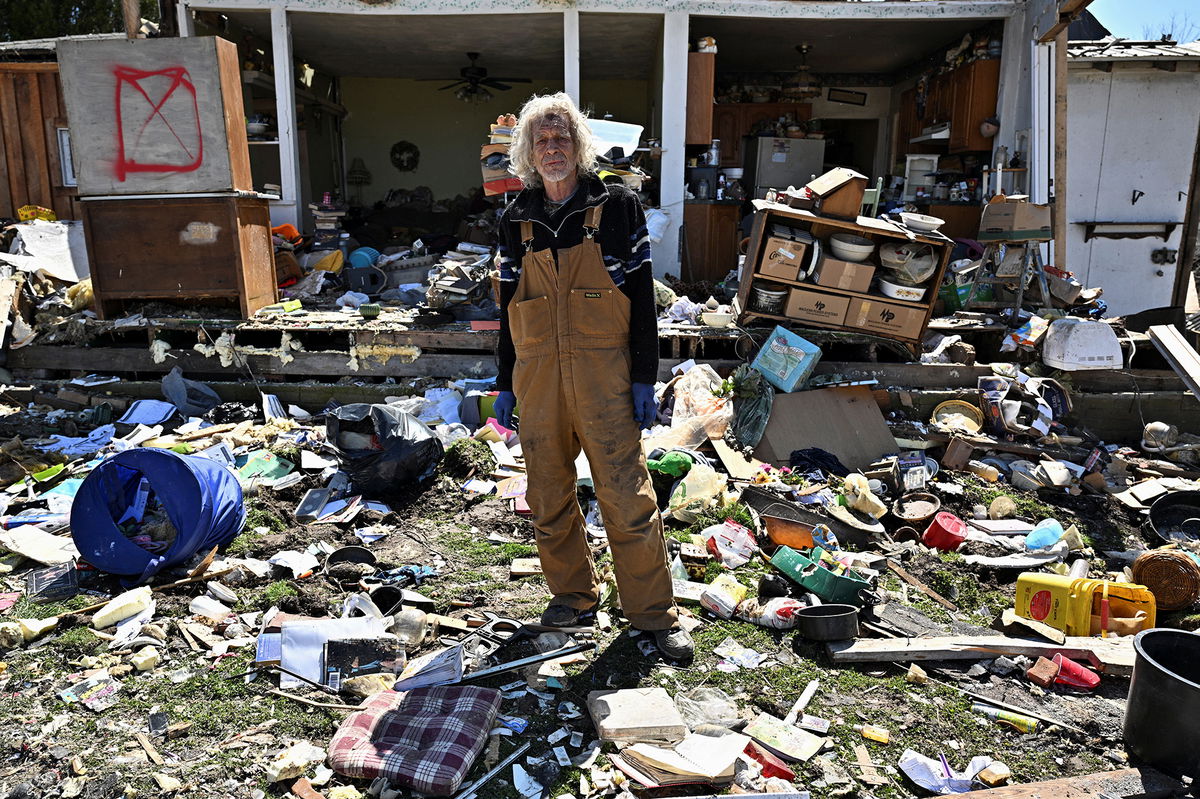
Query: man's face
{"points": [[554, 151]]}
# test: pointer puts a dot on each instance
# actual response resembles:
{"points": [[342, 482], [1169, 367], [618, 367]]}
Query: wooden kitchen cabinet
{"points": [[727, 126], [712, 240], [731, 122], [700, 86], [976, 88]]}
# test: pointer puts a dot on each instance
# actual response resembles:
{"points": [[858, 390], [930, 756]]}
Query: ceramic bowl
{"points": [[256, 128], [716, 318], [900, 291], [851, 248], [922, 223]]}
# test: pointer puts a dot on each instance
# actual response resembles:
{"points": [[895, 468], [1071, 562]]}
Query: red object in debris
{"points": [[945, 532], [1044, 672], [772, 765], [1075, 675]]}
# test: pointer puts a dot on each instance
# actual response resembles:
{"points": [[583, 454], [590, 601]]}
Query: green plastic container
{"points": [[807, 570], [956, 296]]}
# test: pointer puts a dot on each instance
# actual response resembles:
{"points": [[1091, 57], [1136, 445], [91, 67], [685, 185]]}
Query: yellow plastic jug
{"points": [[1073, 605]]}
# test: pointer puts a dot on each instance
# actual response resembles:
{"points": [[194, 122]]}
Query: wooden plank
{"points": [[903, 574], [1182, 356], [1129, 783], [738, 465], [120, 360], [39, 66], [10, 116], [151, 752], [1110, 655], [33, 142]]}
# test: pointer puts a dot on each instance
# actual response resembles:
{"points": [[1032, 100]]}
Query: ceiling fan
{"points": [[473, 82]]}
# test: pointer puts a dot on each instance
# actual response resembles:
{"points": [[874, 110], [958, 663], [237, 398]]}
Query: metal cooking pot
{"points": [[828, 622]]}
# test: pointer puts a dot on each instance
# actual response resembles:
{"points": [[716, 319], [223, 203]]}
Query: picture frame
{"points": [[847, 96]]}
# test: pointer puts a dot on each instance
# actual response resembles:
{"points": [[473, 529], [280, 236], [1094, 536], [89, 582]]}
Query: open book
{"points": [[437, 668], [696, 759]]}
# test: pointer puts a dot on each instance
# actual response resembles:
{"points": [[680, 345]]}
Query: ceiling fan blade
{"points": [[451, 86], [441, 79], [495, 84], [513, 80]]}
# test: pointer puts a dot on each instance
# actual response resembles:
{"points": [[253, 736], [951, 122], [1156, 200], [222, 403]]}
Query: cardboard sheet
{"points": [[845, 421]]}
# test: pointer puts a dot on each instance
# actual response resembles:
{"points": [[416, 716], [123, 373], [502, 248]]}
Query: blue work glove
{"points": [[645, 409], [506, 403]]}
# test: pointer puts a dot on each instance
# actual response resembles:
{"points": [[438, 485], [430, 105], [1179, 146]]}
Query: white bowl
{"points": [[256, 128], [851, 248], [922, 223], [734, 173], [900, 291], [716, 318]]}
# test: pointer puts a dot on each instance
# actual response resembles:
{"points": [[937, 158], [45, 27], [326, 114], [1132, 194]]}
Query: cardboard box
{"points": [[886, 318], [816, 306], [1016, 221], [786, 360], [782, 258], [840, 274]]}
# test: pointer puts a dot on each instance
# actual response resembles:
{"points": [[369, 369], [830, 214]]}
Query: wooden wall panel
{"points": [[31, 111]]}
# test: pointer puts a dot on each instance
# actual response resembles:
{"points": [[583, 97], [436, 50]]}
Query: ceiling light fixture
{"points": [[803, 84]]}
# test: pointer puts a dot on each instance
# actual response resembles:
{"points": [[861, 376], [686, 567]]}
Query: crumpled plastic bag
{"points": [[381, 447], [730, 542], [696, 397], [352, 299], [931, 775], [860, 497], [702, 705], [191, 397], [695, 492]]}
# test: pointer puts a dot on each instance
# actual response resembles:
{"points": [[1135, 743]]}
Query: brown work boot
{"points": [[557, 615], [675, 643]]}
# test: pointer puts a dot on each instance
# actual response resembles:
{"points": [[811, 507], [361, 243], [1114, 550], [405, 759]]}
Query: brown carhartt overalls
{"points": [[570, 328]]}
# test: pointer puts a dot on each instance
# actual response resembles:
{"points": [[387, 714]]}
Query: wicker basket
{"points": [[1172, 577]]}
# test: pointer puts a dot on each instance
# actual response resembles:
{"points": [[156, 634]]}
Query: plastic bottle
{"points": [[1045, 534], [1017, 721], [873, 733], [984, 470]]}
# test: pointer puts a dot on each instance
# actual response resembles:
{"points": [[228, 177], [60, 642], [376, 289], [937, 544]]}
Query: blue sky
{"points": [[1127, 18]]}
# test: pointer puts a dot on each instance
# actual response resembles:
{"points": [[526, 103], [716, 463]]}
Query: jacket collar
{"points": [[529, 205]]}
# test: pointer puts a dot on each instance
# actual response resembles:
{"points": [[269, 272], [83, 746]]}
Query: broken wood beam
{"points": [[903, 574], [1127, 783], [1109, 655], [1182, 356]]}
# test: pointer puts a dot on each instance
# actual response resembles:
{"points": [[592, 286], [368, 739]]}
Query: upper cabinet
{"points": [[976, 88], [960, 99], [700, 83]]}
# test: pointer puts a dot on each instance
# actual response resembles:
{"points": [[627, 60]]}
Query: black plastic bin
{"points": [[1162, 714]]}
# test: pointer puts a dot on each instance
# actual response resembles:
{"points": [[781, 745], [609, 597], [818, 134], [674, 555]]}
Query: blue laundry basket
{"points": [[202, 498]]}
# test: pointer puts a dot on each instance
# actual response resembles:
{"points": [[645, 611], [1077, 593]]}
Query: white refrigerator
{"points": [[773, 163]]}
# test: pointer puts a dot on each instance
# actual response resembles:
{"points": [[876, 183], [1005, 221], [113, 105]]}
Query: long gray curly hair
{"points": [[538, 110]]}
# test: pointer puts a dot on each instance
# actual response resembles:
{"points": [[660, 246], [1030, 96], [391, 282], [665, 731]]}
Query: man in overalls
{"points": [[579, 352]]}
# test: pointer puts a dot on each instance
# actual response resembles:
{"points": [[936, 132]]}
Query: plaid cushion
{"points": [[425, 740]]}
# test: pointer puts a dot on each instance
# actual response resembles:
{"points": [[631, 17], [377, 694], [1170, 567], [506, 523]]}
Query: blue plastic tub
{"points": [[202, 499]]}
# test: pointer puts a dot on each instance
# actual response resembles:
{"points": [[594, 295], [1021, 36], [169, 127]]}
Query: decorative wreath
{"points": [[405, 156]]}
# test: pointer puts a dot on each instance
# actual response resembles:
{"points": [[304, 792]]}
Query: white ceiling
{"points": [[842, 46], [612, 46]]}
